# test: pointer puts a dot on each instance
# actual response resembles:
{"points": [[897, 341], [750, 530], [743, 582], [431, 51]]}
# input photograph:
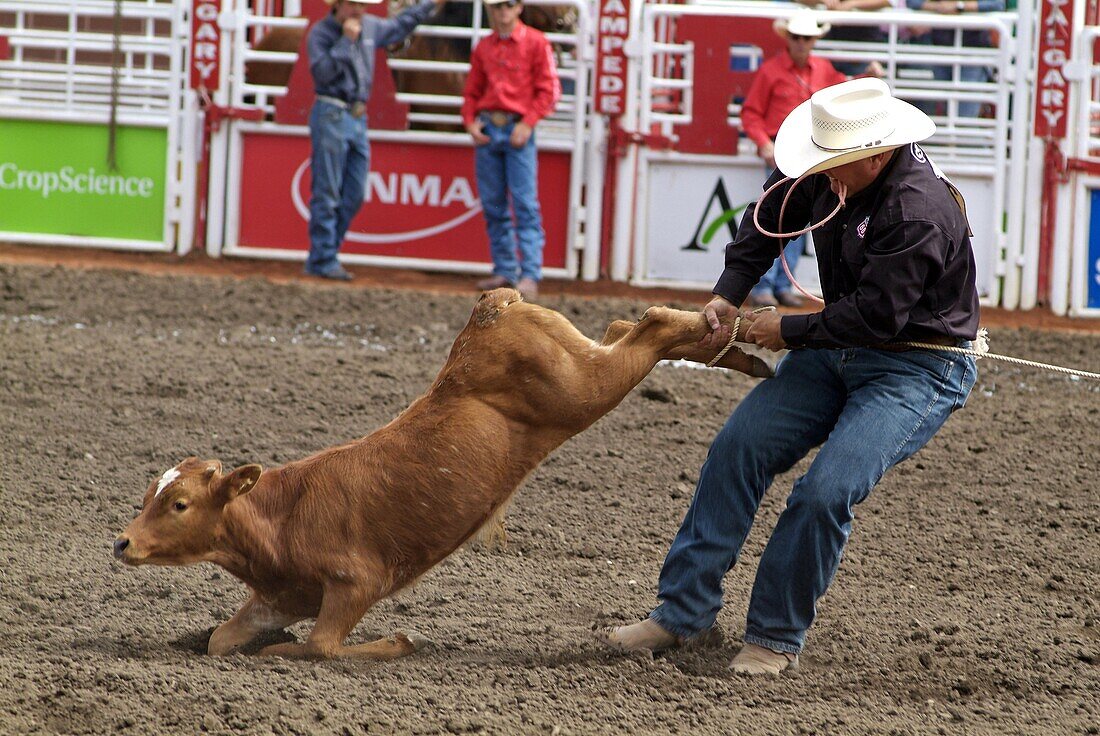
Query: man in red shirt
{"points": [[781, 84], [513, 83]]}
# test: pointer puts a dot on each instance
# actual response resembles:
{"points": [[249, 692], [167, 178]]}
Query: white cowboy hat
{"points": [[844, 123], [800, 23], [360, 2]]}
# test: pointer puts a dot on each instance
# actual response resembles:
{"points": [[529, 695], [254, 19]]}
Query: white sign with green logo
{"points": [[55, 180]]}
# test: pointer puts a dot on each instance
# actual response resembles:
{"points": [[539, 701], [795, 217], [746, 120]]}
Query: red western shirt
{"points": [[779, 87], [516, 74]]}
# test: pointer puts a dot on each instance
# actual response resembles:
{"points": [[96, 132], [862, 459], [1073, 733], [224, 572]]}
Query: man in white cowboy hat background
{"points": [[341, 48], [781, 84], [896, 265], [512, 84]]}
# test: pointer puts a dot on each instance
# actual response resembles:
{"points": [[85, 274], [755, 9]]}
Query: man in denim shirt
{"points": [[896, 267], [341, 49]]}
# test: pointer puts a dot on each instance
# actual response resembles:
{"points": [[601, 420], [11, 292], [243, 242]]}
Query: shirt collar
{"points": [[517, 34]]}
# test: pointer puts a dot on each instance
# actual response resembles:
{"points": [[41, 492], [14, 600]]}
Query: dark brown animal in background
{"points": [[274, 73], [330, 535]]}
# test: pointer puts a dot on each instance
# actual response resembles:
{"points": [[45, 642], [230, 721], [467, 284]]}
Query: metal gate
{"points": [[693, 174], [92, 133], [420, 209]]}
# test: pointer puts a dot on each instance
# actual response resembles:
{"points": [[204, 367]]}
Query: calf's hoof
{"points": [[415, 640]]}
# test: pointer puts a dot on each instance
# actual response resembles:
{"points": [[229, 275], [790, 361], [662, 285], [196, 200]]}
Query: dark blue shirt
{"points": [[895, 263], [345, 69]]}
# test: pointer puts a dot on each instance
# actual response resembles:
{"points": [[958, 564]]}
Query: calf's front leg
{"points": [[254, 618], [342, 607]]}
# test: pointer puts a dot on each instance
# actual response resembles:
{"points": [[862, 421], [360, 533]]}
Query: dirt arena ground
{"points": [[967, 602]]}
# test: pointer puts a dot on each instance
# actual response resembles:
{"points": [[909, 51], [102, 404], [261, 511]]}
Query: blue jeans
{"points": [[503, 170], [338, 170], [775, 280], [946, 37], [868, 410]]}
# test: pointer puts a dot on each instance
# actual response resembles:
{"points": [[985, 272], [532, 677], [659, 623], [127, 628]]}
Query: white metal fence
{"points": [[88, 67]]}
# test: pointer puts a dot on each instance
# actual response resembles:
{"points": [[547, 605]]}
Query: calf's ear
{"points": [[238, 482]]}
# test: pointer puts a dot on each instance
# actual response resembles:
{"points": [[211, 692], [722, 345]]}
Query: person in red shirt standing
{"points": [[781, 84], [512, 84]]}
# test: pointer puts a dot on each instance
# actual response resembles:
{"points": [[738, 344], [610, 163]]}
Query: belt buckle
{"points": [[498, 118], [358, 108]]}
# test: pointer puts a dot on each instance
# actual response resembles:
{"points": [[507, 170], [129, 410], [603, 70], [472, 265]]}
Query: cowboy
{"points": [[896, 266], [512, 85], [781, 84], [341, 49]]}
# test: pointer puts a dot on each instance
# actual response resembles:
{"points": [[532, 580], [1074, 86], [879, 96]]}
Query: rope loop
{"points": [[733, 336]]}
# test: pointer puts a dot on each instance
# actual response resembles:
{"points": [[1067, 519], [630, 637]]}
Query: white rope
{"points": [[733, 336], [981, 350]]}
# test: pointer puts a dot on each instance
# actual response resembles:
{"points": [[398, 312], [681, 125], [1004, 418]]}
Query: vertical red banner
{"points": [[611, 34], [206, 44], [1055, 50]]}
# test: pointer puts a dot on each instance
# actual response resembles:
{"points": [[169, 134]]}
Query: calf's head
{"points": [[182, 515]]}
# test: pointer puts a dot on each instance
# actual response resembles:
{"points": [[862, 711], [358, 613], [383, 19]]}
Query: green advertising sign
{"points": [[54, 179]]}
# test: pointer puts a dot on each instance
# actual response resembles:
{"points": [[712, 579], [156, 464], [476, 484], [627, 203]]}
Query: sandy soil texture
{"points": [[967, 601]]}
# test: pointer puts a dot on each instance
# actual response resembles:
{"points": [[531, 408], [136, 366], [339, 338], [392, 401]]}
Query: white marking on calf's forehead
{"points": [[166, 480]]}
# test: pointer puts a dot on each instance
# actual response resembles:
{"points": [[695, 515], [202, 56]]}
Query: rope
{"points": [[116, 61], [733, 336], [1006, 358]]}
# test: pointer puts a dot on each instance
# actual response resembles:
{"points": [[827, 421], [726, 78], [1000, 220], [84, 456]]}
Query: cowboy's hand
{"points": [[764, 330], [352, 28], [874, 69], [767, 152], [474, 129], [720, 333], [521, 133]]}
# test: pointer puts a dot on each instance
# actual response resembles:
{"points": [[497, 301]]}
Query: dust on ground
{"points": [[966, 603]]}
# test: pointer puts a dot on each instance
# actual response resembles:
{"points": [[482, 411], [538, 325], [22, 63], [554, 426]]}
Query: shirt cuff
{"points": [[793, 329], [732, 287]]}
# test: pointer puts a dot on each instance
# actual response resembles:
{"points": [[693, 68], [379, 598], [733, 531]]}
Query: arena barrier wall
{"points": [[679, 201], [1075, 270], [421, 208], [93, 137]]}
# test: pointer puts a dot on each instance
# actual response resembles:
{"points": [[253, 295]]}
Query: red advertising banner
{"points": [[206, 43], [421, 201], [1055, 50], [611, 33]]}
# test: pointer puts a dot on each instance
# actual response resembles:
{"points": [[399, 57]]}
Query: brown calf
{"points": [[330, 535]]}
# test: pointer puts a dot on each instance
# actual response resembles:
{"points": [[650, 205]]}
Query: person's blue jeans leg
{"points": [[971, 109], [521, 165], [492, 187], [895, 403], [356, 165], [773, 427], [329, 149]]}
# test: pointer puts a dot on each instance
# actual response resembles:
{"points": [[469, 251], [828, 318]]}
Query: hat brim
{"points": [[796, 154], [779, 26]]}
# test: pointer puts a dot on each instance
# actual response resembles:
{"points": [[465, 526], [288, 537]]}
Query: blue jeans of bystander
{"points": [[339, 160], [502, 171], [868, 410]]}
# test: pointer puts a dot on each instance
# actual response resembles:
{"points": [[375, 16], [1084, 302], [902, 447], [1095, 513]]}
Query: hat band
{"points": [[853, 148]]}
